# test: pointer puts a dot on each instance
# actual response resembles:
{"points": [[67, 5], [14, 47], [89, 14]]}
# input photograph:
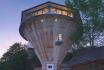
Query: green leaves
{"points": [[76, 36], [92, 14], [17, 58]]}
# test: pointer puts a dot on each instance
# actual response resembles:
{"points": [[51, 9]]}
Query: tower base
{"points": [[51, 66]]}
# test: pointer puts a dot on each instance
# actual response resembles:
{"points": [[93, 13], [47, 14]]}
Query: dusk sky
{"points": [[10, 19]]}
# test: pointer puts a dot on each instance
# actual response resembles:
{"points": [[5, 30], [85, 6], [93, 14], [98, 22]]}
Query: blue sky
{"points": [[10, 18]]}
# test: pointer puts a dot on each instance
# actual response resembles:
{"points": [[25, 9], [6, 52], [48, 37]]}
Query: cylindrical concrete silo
{"points": [[48, 28]]}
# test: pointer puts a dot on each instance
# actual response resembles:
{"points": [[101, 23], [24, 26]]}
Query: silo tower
{"points": [[48, 27]]}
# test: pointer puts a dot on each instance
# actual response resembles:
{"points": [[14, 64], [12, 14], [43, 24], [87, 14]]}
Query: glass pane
{"points": [[64, 13], [45, 10], [70, 14], [53, 10], [58, 11], [39, 12]]}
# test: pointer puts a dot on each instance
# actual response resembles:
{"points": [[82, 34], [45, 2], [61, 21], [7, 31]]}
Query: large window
{"points": [[45, 10], [64, 13], [58, 11], [53, 10], [59, 40], [70, 14]]}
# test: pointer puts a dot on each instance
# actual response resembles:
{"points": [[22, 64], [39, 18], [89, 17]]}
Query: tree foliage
{"points": [[16, 58], [92, 16], [77, 34]]}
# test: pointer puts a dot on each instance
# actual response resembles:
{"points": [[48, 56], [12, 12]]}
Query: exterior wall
{"points": [[37, 68], [42, 31], [97, 65]]}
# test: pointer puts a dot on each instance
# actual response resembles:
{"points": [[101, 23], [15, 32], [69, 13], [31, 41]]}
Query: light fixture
{"points": [[42, 20], [56, 19]]}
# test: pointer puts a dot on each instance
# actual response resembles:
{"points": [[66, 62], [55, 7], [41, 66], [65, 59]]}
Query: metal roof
{"points": [[87, 56]]}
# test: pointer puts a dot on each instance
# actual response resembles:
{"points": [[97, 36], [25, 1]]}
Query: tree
{"points": [[19, 58], [92, 16], [15, 58]]}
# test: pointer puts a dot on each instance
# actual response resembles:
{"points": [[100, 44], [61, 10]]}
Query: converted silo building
{"points": [[48, 27]]}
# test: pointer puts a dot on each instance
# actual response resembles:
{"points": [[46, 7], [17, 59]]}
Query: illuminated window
{"points": [[39, 12], [70, 14], [59, 40], [64, 13], [36, 13], [58, 11], [59, 37], [45, 10], [53, 10], [33, 14]]}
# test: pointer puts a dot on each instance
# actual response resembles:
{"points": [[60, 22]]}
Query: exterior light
{"points": [[42, 20], [56, 19]]}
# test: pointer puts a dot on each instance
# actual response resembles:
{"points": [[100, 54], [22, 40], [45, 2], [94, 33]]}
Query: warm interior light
{"points": [[64, 13], [59, 37], [45, 10], [58, 11], [53, 10], [59, 40], [39, 12]]}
